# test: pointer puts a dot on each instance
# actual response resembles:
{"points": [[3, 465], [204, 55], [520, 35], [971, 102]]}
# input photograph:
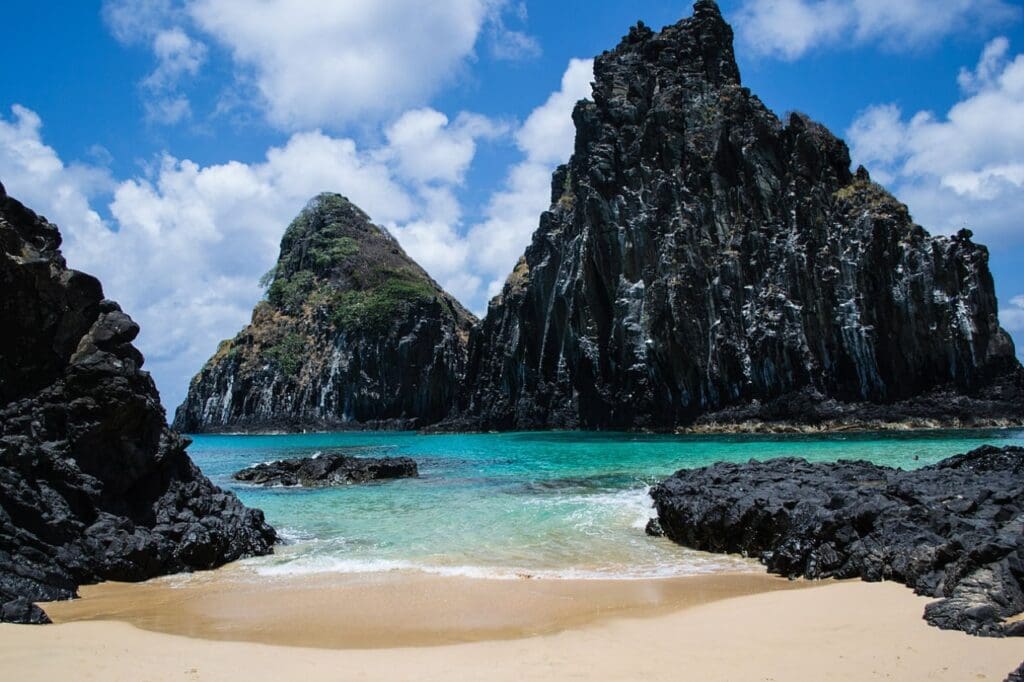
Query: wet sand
{"points": [[836, 631], [382, 610]]}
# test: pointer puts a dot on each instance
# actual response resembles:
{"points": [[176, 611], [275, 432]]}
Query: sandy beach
{"points": [[416, 627]]}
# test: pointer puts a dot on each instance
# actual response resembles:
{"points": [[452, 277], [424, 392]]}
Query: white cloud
{"points": [[790, 28], [33, 173], [509, 44], [993, 60], [1012, 316], [328, 63], [473, 263], [512, 45], [317, 63], [186, 244], [428, 148], [546, 140], [177, 55], [961, 169], [158, 24], [168, 110], [135, 21]]}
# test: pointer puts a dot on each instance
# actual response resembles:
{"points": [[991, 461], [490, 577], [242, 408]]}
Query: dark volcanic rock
{"points": [[328, 470], [953, 530], [704, 260], [93, 485], [353, 334], [1017, 675]]}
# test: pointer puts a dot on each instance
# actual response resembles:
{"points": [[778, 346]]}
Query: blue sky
{"points": [[172, 140]]}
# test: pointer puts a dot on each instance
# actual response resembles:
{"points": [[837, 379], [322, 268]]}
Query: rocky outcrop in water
{"points": [[954, 530], [706, 263], [353, 334], [93, 485], [326, 470]]}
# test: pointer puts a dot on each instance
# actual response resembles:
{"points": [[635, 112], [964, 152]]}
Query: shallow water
{"points": [[568, 505]]}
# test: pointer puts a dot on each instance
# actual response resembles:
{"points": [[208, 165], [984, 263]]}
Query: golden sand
{"points": [[379, 610], [704, 628]]}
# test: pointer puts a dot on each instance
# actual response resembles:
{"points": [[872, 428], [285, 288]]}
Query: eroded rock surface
{"points": [[328, 470], [954, 530], [353, 334], [93, 485], [705, 263]]}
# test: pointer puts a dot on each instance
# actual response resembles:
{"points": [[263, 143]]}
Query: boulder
{"points": [[954, 531]]}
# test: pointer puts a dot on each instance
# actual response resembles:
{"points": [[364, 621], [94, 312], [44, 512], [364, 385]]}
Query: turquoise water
{"points": [[502, 505]]}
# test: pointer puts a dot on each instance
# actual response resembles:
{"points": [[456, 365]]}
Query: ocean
{"points": [[512, 505]]}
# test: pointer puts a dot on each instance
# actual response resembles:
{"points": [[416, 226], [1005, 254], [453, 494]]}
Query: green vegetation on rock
{"points": [[289, 293], [288, 353], [325, 254], [334, 262], [375, 309], [320, 238]]}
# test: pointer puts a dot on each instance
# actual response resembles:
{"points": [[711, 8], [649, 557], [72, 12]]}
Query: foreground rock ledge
{"points": [[327, 470], [954, 530], [93, 485]]}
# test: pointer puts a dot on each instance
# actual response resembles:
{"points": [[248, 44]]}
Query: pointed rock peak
{"points": [[333, 258], [352, 331], [329, 231], [332, 204], [707, 9], [694, 53]]}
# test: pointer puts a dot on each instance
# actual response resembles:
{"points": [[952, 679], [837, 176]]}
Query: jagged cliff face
{"points": [[353, 333], [701, 255], [93, 485]]}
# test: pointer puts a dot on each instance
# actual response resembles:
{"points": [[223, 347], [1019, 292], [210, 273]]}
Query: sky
{"points": [[174, 140]]}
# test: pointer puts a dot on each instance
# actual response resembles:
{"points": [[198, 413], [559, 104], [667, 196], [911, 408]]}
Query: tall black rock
{"points": [[704, 261], [353, 334], [93, 485]]}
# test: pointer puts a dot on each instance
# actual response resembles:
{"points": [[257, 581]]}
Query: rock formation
{"points": [[954, 530], [353, 334], [704, 261], [93, 485], [326, 470]]}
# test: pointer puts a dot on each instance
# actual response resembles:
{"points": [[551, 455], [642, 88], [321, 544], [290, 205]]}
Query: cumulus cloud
{"points": [[963, 168], [472, 262], [42, 179], [185, 245], [328, 63], [317, 63], [429, 148], [790, 28]]}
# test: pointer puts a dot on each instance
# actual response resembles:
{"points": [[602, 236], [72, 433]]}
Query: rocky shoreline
{"points": [[954, 530], [327, 470], [845, 426], [93, 485]]}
